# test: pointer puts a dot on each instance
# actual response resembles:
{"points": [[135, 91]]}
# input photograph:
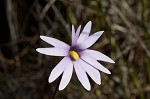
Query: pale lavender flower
{"points": [[78, 56]]}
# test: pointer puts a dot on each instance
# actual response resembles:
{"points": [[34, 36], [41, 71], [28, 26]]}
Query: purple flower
{"points": [[78, 56]]}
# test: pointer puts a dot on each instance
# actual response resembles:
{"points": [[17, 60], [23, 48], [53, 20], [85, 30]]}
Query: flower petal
{"points": [[95, 64], [82, 76], [93, 73], [52, 51], [76, 35], [85, 33], [58, 70], [97, 55], [91, 40], [73, 35], [55, 42], [78, 32], [66, 75]]}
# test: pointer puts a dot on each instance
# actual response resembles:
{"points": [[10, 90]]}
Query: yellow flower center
{"points": [[74, 54]]}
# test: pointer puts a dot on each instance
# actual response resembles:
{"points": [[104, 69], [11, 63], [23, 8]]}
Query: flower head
{"points": [[84, 60]]}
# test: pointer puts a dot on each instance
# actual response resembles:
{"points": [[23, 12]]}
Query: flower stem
{"points": [[56, 89]]}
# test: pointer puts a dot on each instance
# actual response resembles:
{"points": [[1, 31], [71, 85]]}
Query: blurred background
{"points": [[24, 72]]}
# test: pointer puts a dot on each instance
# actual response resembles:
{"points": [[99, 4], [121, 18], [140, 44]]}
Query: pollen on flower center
{"points": [[73, 54]]}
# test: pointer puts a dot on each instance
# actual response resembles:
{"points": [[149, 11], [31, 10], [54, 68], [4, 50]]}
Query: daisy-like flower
{"points": [[84, 60]]}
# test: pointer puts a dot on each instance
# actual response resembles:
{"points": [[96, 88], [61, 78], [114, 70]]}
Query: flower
{"points": [[84, 60]]}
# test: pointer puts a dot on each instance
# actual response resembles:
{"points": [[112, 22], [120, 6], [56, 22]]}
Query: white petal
{"points": [[76, 35], [85, 33], [93, 73], [73, 35], [66, 77], [78, 32], [95, 64], [97, 55], [55, 42], [58, 70], [82, 76], [91, 40], [52, 51]]}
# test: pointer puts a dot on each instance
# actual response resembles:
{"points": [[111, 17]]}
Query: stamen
{"points": [[74, 54]]}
